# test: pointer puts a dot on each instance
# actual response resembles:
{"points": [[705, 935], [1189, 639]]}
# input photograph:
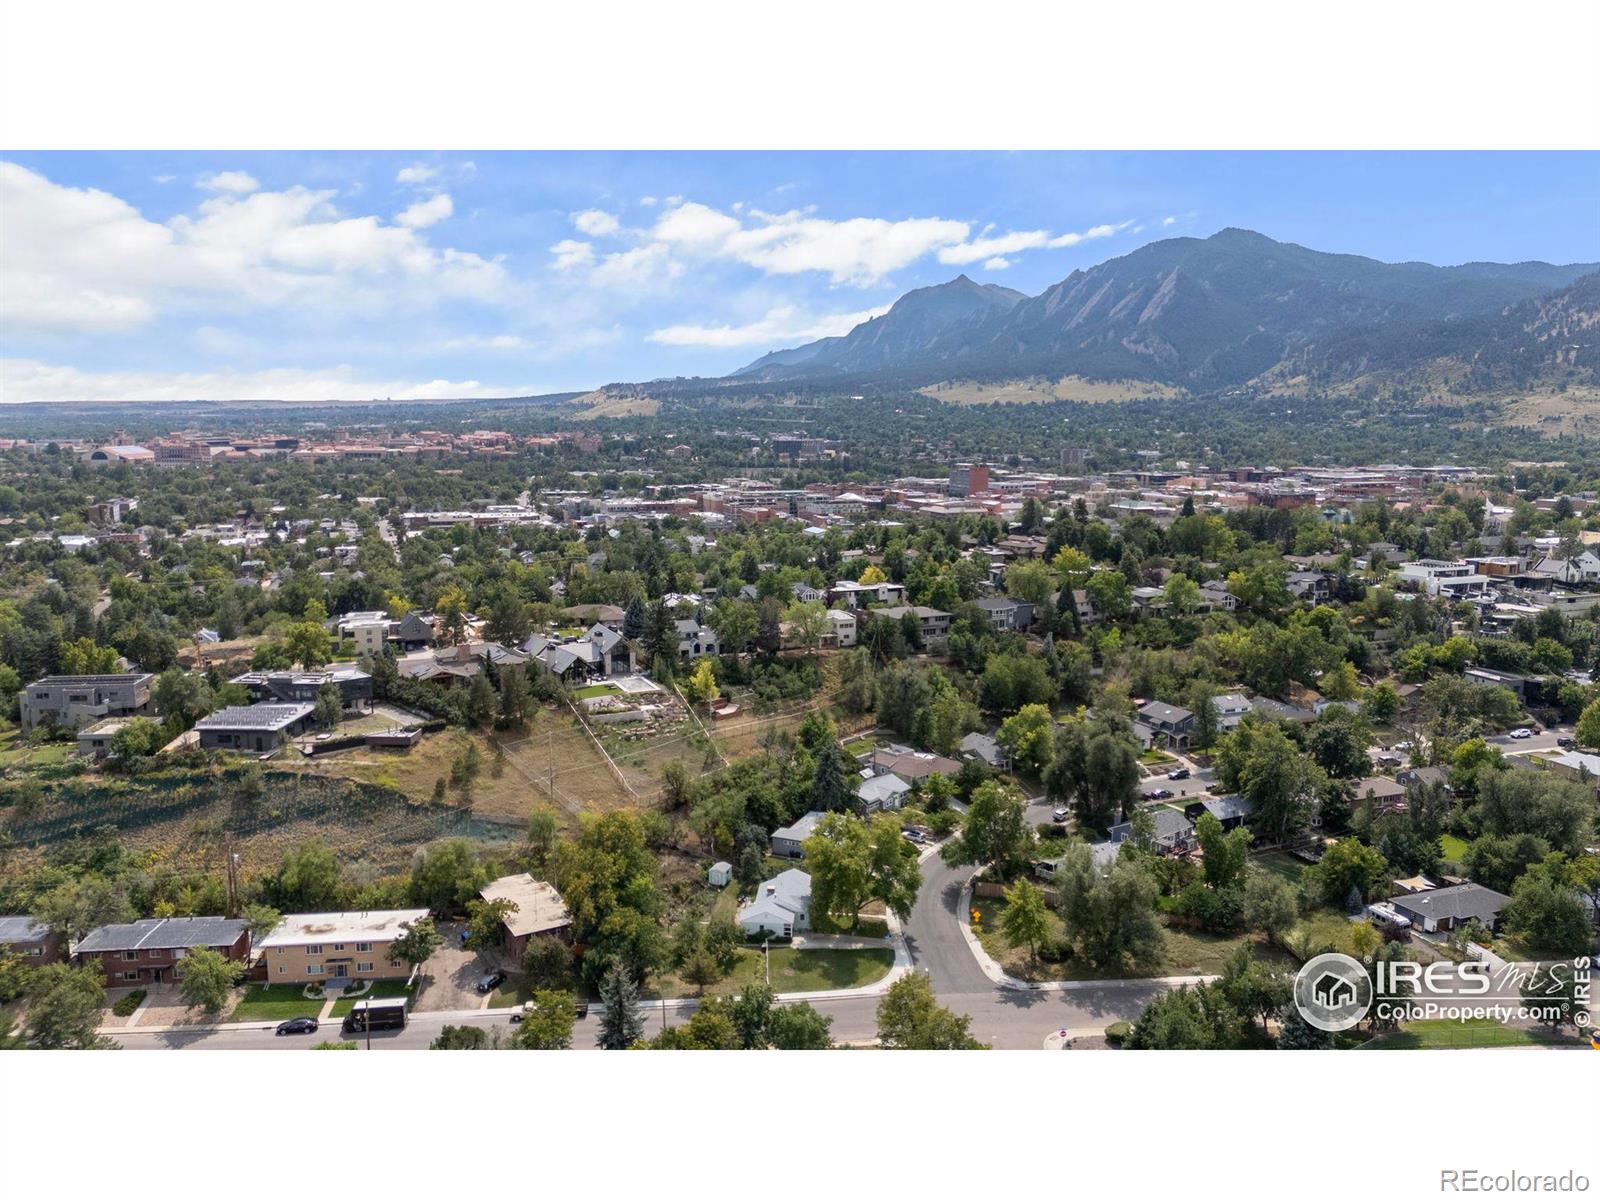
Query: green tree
{"points": [[64, 1008], [417, 941], [1224, 854], [308, 644], [1347, 866], [701, 686], [547, 965], [1269, 904], [1026, 919], [852, 861], [307, 879], [330, 706], [208, 978], [829, 791], [486, 920], [1588, 729], [447, 875], [621, 1022], [1188, 1018], [1109, 915], [547, 1025], [460, 1037], [996, 832], [1029, 736], [799, 1027], [1546, 911], [910, 1018]]}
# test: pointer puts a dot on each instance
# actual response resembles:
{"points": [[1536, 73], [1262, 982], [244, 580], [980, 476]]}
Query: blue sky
{"points": [[162, 276]]}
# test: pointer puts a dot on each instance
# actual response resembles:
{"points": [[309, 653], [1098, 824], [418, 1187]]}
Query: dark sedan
{"points": [[297, 1025]]}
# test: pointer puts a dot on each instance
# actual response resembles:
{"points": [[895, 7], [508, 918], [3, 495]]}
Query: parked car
{"points": [[1058, 815], [1180, 773], [579, 1007], [914, 835], [489, 980], [1565, 742], [297, 1025], [1522, 733], [1158, 794]]}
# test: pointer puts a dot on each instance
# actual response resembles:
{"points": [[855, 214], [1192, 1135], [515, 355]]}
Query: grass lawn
{"points": [[381, 989], [1450, 1035], [1326, 927], [1286, 866], [267, 1003], [595, 689], [1452, 847], [792, 971], [865, 926], [16, 752]]}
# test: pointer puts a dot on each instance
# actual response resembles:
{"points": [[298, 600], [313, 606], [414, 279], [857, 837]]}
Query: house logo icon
{"points": [[1332, 992]]}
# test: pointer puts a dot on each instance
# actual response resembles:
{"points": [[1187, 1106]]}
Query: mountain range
{"points": [[1231, 309]]}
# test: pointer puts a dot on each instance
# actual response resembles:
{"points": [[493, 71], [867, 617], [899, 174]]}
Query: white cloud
{"points": [[1090, 234], [996, 264], [23, 380], [165, 178], [426, 212], [237, 182], [80, 258], [783, 324], [1165, 221], [416, 173], [595, 223], [648, 201], [986, 247], [643, 264], [499, 341], [569, 254]]}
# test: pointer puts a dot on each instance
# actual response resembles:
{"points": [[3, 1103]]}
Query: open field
{"points": [[1452, 847], [182, 814], [613, 403], [506, 790], [1042, 391], [1572, 413]]}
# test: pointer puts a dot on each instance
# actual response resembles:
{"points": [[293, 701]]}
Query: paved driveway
{"points": [[450, 975]]}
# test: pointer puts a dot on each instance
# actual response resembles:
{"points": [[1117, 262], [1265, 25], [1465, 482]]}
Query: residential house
{"points": [[1173, 833], [1380, 792], [807, 594], [1529, 688], [294, 687], [911, 765], [253, 727], [1311, 586], [985, 749], [856, 596], [882, 793], [540, 911], [1160, 724], [1442, 909], [781, 907], [789, 842], [1007, 613], [30, 940], [1230, 811], [415, 631], [1215, 593], [933, 626], [1231, 708], [841, 629], [150, 952], [696, 640], [314, 947], [94, 741], [74, 700]]}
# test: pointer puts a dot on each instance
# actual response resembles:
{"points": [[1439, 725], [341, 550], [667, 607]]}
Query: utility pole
{"points": [[232, 869]]}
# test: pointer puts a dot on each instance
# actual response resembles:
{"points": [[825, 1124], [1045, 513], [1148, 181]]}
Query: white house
{"points": [[781, 907], [841, 629], [696, 640]]}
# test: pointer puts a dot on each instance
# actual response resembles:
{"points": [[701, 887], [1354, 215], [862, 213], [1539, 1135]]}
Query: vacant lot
{"points": [[1184, 951], [792, 971]]}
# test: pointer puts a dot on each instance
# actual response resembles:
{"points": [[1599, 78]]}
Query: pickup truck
{"points": [[581, 1007]]}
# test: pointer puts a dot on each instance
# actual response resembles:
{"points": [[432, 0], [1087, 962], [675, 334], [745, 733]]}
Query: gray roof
{"points": [[801, 829], [1461, 902], [163, 933], [91, 680], [22, 929], [984, 746], [995, 603], [257, 716], [1225, 808], [1170, 825], [1160, 711]]}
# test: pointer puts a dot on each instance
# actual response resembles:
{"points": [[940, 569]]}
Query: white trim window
{"points": [[363, 947], [283, 970], [313, 949], [363, 968], [314, 969], [130, 956]]}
